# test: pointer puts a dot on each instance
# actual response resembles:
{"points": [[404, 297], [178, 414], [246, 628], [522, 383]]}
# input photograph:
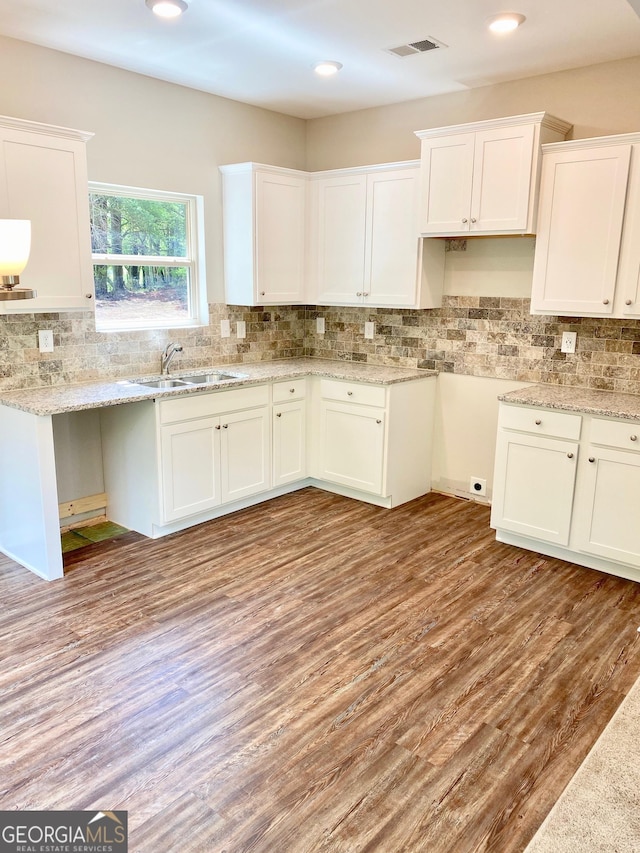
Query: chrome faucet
{"points": [[169, 351]]}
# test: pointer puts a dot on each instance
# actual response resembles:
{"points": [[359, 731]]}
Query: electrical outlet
{"points": [[45, 340], [320, 325], [568, 342], [478, 486], [241, 329], [225, 328], [369, 330]]}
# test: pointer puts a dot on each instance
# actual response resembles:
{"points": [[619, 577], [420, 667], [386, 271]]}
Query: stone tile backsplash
{"points": [[479, 336]]}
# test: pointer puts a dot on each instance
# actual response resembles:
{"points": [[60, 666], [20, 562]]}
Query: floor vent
{"points": [[416, 47]]}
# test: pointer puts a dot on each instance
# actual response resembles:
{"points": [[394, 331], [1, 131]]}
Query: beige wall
{"points": [[148, 133], [597, 100]]}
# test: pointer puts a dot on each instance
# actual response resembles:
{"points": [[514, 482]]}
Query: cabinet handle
{"points": [[218, 426], [378, 421], [349, 393], [89, 295], [225, 426], [262, 293], [473, 219], [633, 437], [464, 221], [592, 459], [278, 414], [605, 301], [628, 302], [359, 293], [292, 390], [538, 422], [569, 455], [365, 293]]}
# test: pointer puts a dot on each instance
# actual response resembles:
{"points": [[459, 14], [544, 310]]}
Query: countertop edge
{"points": [[587, 401]]}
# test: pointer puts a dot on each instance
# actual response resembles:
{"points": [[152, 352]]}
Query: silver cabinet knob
{"points": [[262, 293], [592, 459], [217, 426], [278, 414], [538, 422], [89, 295], [464, 221], [569, 455], [225, 426], [605, 301], [378, 421], [628, 302], [473, 219], [292, 390], [349, 393], [359, 293], [633, 437], [366, 293]]}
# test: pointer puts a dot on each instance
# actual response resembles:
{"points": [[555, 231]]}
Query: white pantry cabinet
{"points": [[43, 177], [264, 225], [568, 485], [482, 178], [587, 258], [373, 440], [365, 246]]}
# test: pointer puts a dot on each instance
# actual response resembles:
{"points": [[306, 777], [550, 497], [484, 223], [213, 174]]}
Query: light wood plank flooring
{"points": [[312, 674]]}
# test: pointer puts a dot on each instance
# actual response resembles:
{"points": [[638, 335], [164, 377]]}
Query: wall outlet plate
{"points": [[320, 325], [369, 330], [568, 342], [478, 486], [45, 340], [225, 328], [241, 329]]}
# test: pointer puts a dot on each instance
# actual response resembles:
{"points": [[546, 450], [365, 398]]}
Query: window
{"points": [[148, 258]]}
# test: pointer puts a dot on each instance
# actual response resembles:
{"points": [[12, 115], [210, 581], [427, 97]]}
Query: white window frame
{"points": [[194, 261]]}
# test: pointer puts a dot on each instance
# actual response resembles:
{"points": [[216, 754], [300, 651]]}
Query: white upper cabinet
{"points": [[43, 177], [587, 259], [365, 244], [482, 178], [264, 220]]}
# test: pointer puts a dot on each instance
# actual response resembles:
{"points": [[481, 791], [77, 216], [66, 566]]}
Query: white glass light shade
{"points": [[327, 67], [167, 8], [15, 244], [505, 22]]}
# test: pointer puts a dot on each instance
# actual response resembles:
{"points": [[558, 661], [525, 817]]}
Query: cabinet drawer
{"points": [[292, 389], [623, 434], [216, 403], [541, 421], [353, 392]]}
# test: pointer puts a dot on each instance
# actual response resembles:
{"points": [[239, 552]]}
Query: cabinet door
{"points": [[391, 258], [190, 467], [340, 218], [502, 179], [245, 455], [628, 281], [280, 238], [582, 198], [352, 446], [608, 526], [44, 179], [447, 172], [289, 442], [534, 486]]}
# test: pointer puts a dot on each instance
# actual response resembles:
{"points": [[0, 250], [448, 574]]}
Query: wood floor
{"points": [[312, 674]]}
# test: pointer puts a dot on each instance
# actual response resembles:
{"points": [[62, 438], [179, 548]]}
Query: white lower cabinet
{"points": [[352, 449], [575, 494], [190, 467]]}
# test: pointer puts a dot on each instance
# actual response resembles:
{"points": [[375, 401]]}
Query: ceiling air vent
{"points": [[416, 47]]}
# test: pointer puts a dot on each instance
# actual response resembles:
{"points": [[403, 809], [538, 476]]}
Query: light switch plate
{"points": [[369, 330], [241, 329], [568, 342], [45, 340], [320, 325], [225, 328]]}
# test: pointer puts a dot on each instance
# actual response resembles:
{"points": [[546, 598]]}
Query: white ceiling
{"points": [[261, 51]]}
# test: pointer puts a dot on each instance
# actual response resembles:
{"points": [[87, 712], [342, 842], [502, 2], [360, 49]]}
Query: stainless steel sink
{"points": [[163, 383], [210, 378]]}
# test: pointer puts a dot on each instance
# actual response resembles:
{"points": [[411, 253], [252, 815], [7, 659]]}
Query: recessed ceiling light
{"points": [[167, 8], [505, 22], [327, 67]]}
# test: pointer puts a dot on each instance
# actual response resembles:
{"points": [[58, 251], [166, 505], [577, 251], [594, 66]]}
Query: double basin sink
{"points": [[212, 378]]}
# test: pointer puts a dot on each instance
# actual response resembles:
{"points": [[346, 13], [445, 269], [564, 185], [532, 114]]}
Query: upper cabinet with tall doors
{"points": [[264, 223], [365, 247], [587, 259], [482, 178], [43, 178]]}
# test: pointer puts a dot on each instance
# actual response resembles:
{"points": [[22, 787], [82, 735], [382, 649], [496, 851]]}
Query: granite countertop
{"points": [[56, 399], [584, 400]]}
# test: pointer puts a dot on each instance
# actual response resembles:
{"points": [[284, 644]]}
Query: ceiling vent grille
{"points": [[413, 47]]}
